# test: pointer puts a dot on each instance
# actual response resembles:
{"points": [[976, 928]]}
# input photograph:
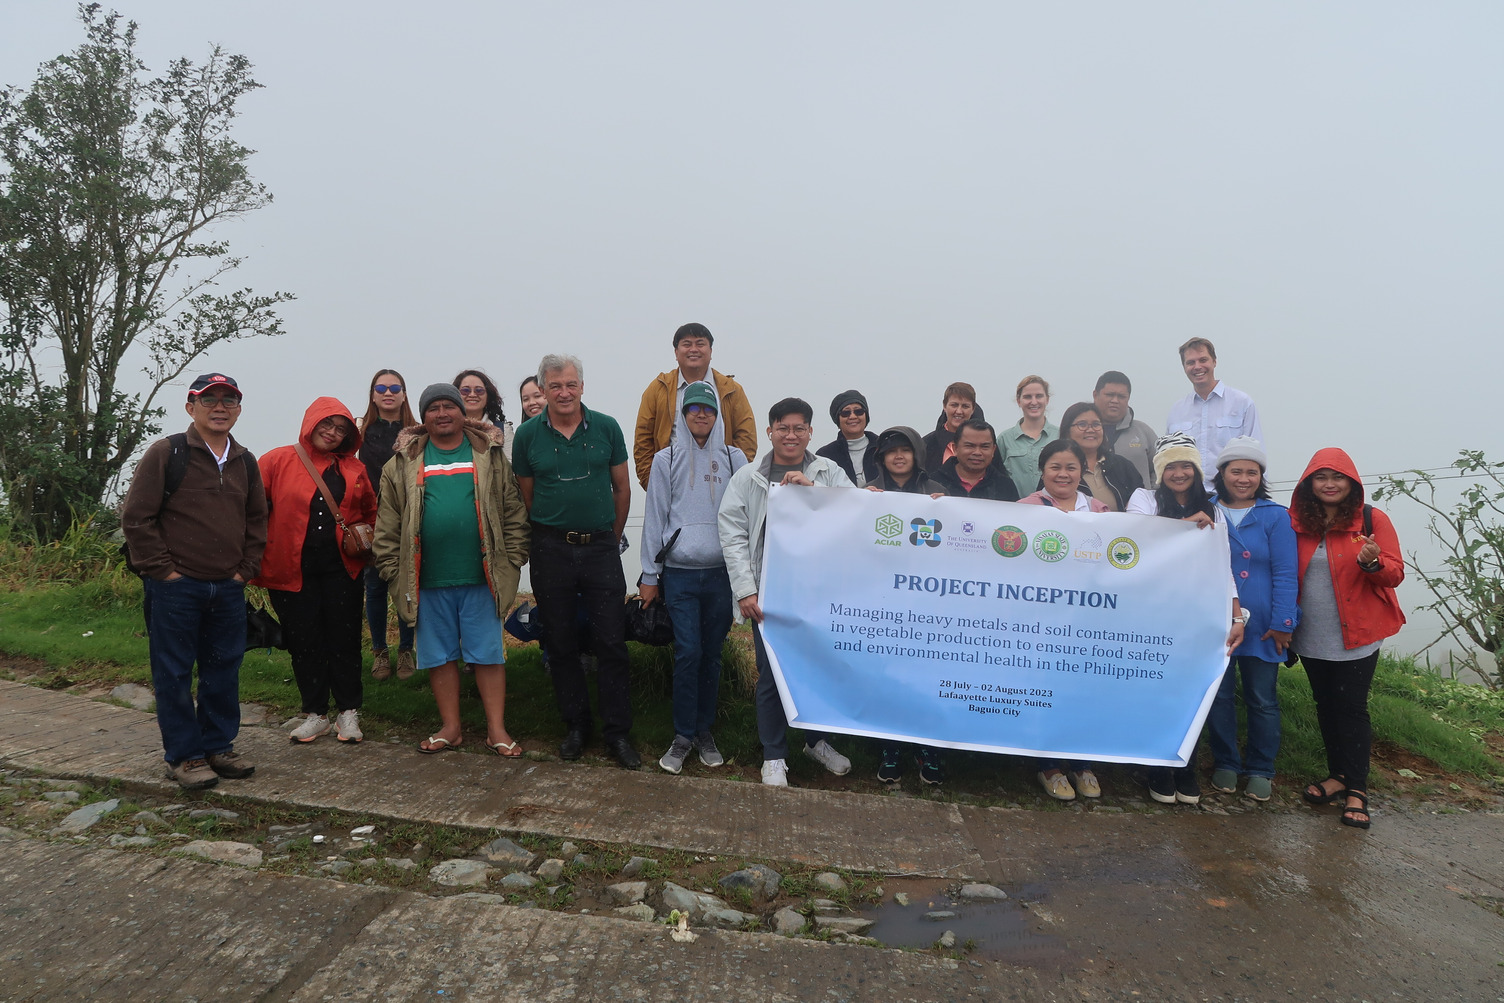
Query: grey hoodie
{"points": [[685, 486]]}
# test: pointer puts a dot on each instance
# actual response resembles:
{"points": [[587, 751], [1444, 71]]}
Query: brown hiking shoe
{"points": [[381, 665], [231, 765], [407, 664], [192, 774]]}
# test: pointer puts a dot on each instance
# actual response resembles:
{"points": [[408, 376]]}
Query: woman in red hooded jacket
{"points": [[315, 587], [1349, 565]]}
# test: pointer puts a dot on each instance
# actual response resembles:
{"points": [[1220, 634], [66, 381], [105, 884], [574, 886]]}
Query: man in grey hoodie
{"points": [[681, 551]]}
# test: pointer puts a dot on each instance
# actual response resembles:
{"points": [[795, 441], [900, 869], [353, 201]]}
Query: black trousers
{"points": [[1341, 692], [565, 575], [321, 625]]}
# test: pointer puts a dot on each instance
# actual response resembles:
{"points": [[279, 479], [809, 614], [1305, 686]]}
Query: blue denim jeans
{"points": [[772, 723], [189, 620], [376, 595], [1261, 702], [699, 604]]}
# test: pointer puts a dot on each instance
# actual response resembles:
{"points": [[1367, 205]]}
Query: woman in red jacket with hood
{"points": [[315, 587], [1349, 564]]}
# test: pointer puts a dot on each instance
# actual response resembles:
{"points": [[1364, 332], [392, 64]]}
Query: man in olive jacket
{"points": [[449, 492], [664, 398]]}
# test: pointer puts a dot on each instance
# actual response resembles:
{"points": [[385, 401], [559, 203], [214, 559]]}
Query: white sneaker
{"points": [[775, 773], [822, 753], [313, 727], [347, 726]]}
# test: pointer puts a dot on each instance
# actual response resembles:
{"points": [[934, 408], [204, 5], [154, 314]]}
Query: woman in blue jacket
{"points": [[1264, 565]]}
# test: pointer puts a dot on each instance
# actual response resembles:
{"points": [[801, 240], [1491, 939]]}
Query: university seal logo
{"points": [[1009, 541], [926, 532], [1122, 553], [1051, 546]]}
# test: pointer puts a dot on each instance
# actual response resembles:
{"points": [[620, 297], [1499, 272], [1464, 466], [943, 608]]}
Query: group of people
{"points": [[437, 511]]}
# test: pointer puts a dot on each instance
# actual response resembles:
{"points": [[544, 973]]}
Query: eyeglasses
{"points": [[700, 409], [390, 388], [1087, 426], [228, 403], [791, 430], [469, 391], [330, 425], [1114, 397], [853, 412]]}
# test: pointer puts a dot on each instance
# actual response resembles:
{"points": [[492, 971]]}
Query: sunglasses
{"points": [[388, 388], [853, 412], [472, 391], [699, 409]]}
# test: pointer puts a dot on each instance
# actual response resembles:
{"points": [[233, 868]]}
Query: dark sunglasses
{"points": [[472, 391], [699, 409], [388, 388], [853, 412]]}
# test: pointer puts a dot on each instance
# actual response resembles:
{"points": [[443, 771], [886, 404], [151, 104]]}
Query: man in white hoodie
{"points": [[742, 521], [681, 552]]}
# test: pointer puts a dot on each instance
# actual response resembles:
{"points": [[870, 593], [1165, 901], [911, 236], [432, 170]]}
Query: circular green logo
{"points": [[1051, 546], [1122, 553]]}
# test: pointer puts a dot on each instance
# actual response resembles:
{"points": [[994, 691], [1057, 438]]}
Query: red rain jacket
{"points": [[1366, 603], [290, 491]]}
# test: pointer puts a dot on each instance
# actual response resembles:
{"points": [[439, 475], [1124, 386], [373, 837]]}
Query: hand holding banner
{"points": [[994, 626]]}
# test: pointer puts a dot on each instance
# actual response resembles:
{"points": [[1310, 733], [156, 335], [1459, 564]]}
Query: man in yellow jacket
{"points": [[664, 397]]}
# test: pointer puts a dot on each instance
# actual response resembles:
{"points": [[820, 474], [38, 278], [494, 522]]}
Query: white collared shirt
{"points": [[1224, 415]]}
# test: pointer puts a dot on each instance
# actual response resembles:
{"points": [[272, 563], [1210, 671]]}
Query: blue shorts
{"points": [[458, 622]]}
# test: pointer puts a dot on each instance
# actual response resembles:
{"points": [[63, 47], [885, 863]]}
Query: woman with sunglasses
{"points": [[483, 405], [854, 449], [387, 414], [313, 582]]}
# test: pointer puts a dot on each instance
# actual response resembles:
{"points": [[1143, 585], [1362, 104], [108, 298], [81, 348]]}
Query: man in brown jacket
{"points": [[664, 397], [195, 527]]}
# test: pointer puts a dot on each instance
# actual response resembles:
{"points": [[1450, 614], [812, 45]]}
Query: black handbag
{"points": [[262, 629], [649, 623]]}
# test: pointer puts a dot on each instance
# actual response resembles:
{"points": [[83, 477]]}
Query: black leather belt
{"points": [[574, 537]]}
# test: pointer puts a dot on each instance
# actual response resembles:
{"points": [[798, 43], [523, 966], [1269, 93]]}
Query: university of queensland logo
{"points": [[926, 532], [1009, 541], [889, 526]]}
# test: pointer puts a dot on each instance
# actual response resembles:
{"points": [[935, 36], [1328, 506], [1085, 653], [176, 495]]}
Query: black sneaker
{"points": [[231, 765], [1187, 787], [889, 767], [931, 767], [1162, 784]]}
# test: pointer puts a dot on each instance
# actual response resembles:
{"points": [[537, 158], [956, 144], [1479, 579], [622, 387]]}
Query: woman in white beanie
{"points": [[1181, 494], [1263, 566]]}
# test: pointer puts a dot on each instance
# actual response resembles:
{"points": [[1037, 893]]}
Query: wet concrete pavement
{"points": [[1106, 905]]}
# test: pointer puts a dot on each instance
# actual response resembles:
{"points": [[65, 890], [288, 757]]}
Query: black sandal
{"points": [[1350, 810], [1321, 796]]}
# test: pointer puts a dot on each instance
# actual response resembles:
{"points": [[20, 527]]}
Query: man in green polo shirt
{"points": [[571, 466]]}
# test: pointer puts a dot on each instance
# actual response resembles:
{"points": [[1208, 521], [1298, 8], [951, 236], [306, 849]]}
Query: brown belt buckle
{"points": [[576, 538]]}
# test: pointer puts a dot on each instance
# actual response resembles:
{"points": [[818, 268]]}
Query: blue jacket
{"points": [[1264, 567]]}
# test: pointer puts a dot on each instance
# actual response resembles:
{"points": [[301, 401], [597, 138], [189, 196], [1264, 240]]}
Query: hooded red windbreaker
{"points": [[290, 491], [1366, 603]]}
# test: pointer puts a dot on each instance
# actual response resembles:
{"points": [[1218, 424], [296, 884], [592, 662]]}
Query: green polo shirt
{"points": [[571, 477]]}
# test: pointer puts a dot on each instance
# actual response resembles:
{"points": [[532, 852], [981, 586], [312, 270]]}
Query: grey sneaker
{"points": [[314, 726], [673, 759], [192, 774], [709, 754], [407, 664], [381, 665], [822, 753], [347, 726], [775, 773], [231, 765], [1259, 788]]}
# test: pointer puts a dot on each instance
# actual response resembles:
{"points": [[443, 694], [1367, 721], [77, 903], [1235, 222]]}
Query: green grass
{"points": [[1439, 719]]}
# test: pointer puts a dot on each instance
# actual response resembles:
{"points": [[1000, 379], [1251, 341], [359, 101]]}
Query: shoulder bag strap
{"points": [[319, 480]]}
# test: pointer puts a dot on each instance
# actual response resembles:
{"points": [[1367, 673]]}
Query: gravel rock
{"points": [[635, 865], [517, 881], [86, 816], [118, 841], [628, 892], [568, 849], [947, 940], [222, 813], [222, 851], [306, 829], [939, 915], [641, 911], [583, 859], [983, 892], [550, 870], [490, 898], [825, 907], [337, 867], [6, 832], [151, 819], [401, 863], [727, 919], [138, 696], [902, 898], [505, 853], [787, 921], [253, 713], [843, 924], [695, 904], [61, 797], [459, 873], [830, 882], [761, 881]]}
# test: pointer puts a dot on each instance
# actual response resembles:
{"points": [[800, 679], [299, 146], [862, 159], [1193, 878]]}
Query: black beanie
{"points": [[847, 397]]}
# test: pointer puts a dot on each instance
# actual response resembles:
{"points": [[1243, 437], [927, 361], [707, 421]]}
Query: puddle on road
{"points": [[998, 931]]}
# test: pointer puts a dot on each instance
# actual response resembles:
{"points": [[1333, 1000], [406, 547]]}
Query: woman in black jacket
{"points": [[854, 449], [1107, 477], [386, 415]]}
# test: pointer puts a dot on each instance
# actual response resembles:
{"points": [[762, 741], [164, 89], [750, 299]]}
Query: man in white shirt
{"points": [[1213, 413]]}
